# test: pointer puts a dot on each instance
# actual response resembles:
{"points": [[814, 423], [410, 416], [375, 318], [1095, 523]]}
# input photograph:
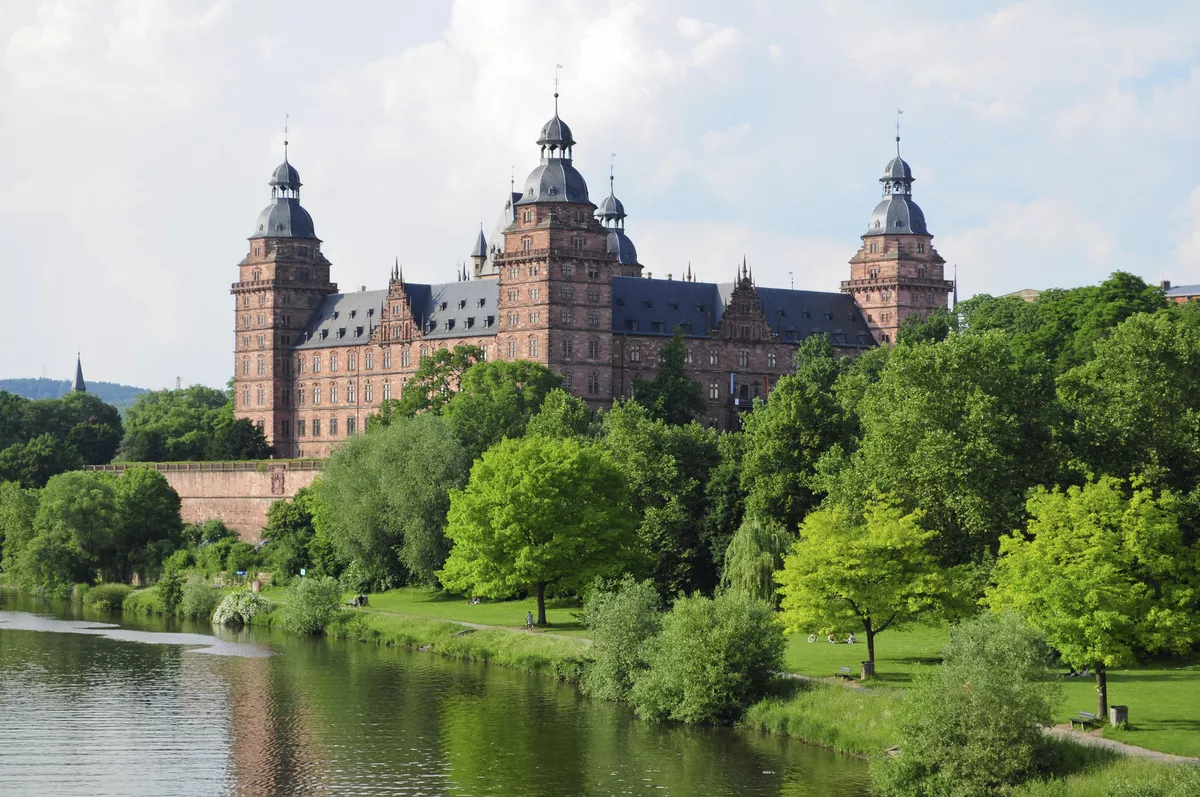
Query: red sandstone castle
{"points": [[558, 283]]}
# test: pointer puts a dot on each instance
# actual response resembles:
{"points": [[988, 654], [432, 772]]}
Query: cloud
{"points": [[1188, 249]]}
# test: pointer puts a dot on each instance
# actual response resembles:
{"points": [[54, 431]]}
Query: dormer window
{"points": [[829, 316], [358, 332], [443, 305], [449, 324], [649, 305], [699, 308], [470, 321], [482, 302], [341, 332], [490, 321], [462, 304], [335, 313], [353, 313], [370, 311], [674, 306], [324, 334]]}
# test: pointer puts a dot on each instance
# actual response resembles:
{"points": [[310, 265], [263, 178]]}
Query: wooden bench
{"points": [[1084, 719], [845, 672]]}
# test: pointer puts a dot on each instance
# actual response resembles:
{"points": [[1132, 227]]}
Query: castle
{"points": [[558, 283]]}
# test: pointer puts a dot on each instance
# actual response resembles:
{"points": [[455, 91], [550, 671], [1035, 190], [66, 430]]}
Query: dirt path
{"points": [[476, 626], [1079, 737]]}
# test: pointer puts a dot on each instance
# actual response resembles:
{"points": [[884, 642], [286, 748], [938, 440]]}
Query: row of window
{"points": [[303, 426]]}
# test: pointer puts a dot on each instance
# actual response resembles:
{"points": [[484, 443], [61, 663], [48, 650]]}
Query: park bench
{"points": [[845, 672], [1084, 719]]}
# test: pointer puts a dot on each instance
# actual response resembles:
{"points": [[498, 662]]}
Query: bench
{"points": [[1084, 719], [845, 672]]}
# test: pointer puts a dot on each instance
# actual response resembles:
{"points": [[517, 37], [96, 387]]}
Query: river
{"points": [[156, 707]]}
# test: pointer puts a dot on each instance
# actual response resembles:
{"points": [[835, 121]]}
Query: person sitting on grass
{"points": [[852, 639], [832, 639]]}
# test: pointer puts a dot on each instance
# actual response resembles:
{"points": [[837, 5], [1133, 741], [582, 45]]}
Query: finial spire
{"points": [[612, 158], [556, 68], [898, 113], [285, 136]]}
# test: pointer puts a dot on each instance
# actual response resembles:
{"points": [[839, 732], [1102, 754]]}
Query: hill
{"points": [[120, 396]]}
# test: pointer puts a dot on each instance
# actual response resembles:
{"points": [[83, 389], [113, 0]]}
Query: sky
{"points": [[1053, 142]]}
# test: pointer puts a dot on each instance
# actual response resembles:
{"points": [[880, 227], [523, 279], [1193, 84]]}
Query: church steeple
{"points": [[79, 386]]}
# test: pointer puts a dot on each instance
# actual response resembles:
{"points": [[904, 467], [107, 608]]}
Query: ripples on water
{"points": [[90, 708]]}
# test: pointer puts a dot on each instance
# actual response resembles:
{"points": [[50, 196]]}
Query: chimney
{"points": [[668, 277], [1166, 285]]}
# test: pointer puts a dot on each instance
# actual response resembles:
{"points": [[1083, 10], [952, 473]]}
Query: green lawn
{"points": [[1163, 697], [425, 602]]}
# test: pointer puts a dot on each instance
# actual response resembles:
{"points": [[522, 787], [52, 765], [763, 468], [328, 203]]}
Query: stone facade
{"points": [[564, 289]]}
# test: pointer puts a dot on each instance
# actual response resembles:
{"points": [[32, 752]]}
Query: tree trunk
{"points": [[870, 643], [1102, 691], [540, 589]]}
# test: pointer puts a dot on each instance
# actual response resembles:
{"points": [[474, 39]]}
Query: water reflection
{"points": [[85, 712]]}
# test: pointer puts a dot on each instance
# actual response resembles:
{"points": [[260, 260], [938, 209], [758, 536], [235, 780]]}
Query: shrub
{"points": [[712, 658], [972, 726], [180, 560], [170, 589], [621, 617], [241, 558], [198, 600], [312, 604], [240, 607], [107, 597], [211, 556]]}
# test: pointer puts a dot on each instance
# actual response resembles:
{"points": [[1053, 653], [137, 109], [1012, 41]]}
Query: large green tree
{"points": [[873, 572], [561, 415], [18, 506], [496, 400], [667, 468], [537, 513], [82, 504], [33, 463], [289, 533], [433, 384], [673, 395], [148, 525], [754, 555], [1104, 573], [383, 497], [193, 423]]}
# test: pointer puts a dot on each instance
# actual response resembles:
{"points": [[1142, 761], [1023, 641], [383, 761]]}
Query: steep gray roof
{"points": [[554, 180], [480, 247], [620, 245], [285, 175], [80, 386], [449, 310], [655, 307], [897, 213], [556, 133], [284, 218]]}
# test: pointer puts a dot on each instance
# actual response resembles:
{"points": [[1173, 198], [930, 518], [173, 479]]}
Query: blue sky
{"points": [[1053, 142]]}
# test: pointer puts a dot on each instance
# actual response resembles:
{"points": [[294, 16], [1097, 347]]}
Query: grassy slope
{"points": [[425, 602]]}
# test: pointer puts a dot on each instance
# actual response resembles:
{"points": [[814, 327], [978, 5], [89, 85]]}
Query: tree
{"points": [[17, 509], [183, 425], [383, 497], [873, 572], [82, 505], [785, 437], [621, 617], [667, 468], [148, 525], [724, 496], [236, 439], [1134, 407], [1103, 574], [754, 555], [973, 726], [712, 658], [291, 526], [34, 463], [436, 379], [561, 415], [672, 396], [960, 429], [50, 562], [537, 512], [496, 400], [936, 328]]}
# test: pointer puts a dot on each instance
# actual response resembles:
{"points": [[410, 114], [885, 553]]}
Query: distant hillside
{"points": [[120, 396]]}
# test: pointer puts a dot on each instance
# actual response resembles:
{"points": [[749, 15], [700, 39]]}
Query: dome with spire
{"points": [[897, 212], [555, 179], [620, 245], [556, 134], [610, 208], [897, 169], [284, 217]]}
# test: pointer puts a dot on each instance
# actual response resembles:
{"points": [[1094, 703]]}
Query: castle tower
{"points": [[281, 280], [556, 272], [896, 272]]}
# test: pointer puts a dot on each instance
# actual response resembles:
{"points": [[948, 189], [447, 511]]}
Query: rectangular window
{"points": [[593, 320], [687, 356], [285, 428], [533, 347], [301, 429], [369, 360], [535, 317], [535, 294], [566, 292], [513, 294], [246, 396], [316, 394], [300, 396], [743, 359], [316, 427], [714, 358], [593, 272], [593, 383], [350, 423], [635, 354], [568, 270], [333, 362], [349, 392], [333, 427], [771, 360], [567, 316], [261, 395], [351, 362], [368, 392], [513, 272], [512, 350], [387, 390], [262, 341], [714, 390], [404, 359], [593, 349], [568, 349], [333, 394], [316, 363], [594, 295]]}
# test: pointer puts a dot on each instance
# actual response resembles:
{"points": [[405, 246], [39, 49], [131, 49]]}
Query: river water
{"points": [[159, 708]]}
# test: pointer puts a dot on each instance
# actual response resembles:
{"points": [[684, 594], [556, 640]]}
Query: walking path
{"points": [[1079, 737], [474, 626]]}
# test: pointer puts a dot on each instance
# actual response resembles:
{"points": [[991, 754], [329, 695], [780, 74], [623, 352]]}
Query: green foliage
{"points": [[620, 618], [561, 415], [936, 328], [723, 495], [383, 499], [198, 600], [754, 554], [960, 429], [1122, 777], [147, 528], [18, 507], [1104, 575], [170, 589], [673, 395], [312, 604], [240, 607], [786, 436], [856, 721], [33, 463], [48, 563], [712, 659], [197, 534], [107, 597], [433, 384], [667, 468], [194, 423], [496, 400], [84, 504], [211, 558], [873, 572], [537, 512], [291, 526], [973, 726], [39, 439], [1134, 408]]}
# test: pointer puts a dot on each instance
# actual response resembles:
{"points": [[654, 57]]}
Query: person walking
{"points": [[528, 621]]}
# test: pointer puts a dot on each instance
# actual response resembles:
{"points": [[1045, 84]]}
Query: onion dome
{"points": [[897, 212], [284, 217], [897, 169], [555, 179], [556, 134], [285, 176], [610, 208]]}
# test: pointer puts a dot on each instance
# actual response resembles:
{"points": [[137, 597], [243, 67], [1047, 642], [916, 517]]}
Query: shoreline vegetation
{"points": [[848, 719]]}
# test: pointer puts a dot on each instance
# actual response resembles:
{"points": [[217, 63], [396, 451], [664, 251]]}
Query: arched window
{"points": [[387, 358], [512, 349], [714, 357], [350, 392], [261, 394], [333, 362], [316, 363], [526, 244], [245, 366], [533, 347], [246, 396], [404, 358], [387, 390], [316, 394], [333, 393], [262, 365], [368, 392]]}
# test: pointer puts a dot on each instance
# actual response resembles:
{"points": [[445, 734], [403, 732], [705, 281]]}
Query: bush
{"points": [[1123, 777], [198, 600], [170, 589], [972, 726], [312, 604], [241, 607], [107, 597], [242, 558], [712, 658], [621, 617]]}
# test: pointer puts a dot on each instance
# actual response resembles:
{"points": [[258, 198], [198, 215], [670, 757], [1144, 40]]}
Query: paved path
{"points": [[1079, 737]]}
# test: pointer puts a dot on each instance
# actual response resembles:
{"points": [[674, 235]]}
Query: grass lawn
{"points": [[427, 602], [1163, 697]]}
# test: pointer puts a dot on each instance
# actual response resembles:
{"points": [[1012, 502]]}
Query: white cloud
{"points": [[1188, 249]]}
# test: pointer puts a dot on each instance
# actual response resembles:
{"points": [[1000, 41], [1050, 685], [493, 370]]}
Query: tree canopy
{"points": [[495, 400], [41, 438], [193, 423], [434, 382], [673, 395]]}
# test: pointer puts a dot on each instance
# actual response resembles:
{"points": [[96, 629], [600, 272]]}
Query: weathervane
{"points": [[285, 135], [556, 68], [898, 112]]}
